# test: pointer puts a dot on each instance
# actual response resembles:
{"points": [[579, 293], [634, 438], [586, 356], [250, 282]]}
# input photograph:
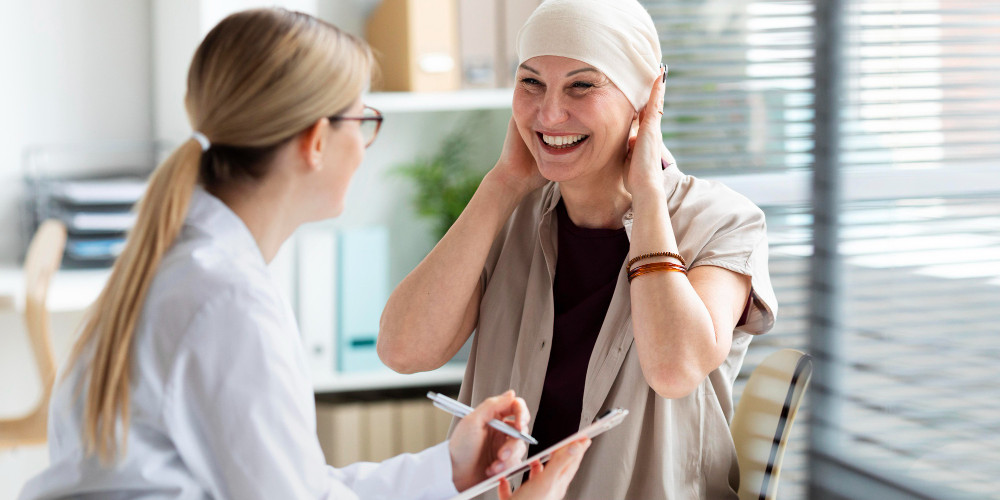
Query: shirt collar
{"points": [[210, 216], [671, 177]]}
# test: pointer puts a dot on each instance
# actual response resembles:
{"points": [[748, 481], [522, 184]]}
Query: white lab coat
{"points": [[221, 401]]}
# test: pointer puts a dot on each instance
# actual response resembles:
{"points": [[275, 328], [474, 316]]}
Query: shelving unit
{"points": [[73, 290]]}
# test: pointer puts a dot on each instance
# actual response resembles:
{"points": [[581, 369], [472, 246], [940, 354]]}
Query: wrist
{"points": [[508, 187], [458, 475], [648, 193]]}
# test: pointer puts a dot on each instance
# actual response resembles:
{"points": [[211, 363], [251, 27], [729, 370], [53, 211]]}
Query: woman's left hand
{"points": [[477, 450], [642, 163]]}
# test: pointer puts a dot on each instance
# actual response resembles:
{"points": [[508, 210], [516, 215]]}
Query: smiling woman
{"points": [[573, 119], [593, 272]]}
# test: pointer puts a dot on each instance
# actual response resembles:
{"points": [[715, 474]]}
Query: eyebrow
{"points": [[571, 73], [581, 70]]}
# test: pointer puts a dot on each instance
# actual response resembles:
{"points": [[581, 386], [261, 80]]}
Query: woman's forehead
{"points": [[558, 65]]}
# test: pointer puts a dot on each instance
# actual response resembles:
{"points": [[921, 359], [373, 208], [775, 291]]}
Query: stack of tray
{"points": [[97, 213]]}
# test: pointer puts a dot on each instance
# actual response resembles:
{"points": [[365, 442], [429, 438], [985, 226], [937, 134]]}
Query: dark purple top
{"points": [[589, 262]]}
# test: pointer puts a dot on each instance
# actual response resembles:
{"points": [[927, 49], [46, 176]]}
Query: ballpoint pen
{"points": [[460, 410]]}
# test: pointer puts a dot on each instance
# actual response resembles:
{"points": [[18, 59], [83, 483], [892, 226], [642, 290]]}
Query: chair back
{"points": [[763, 420], [41, 262]]}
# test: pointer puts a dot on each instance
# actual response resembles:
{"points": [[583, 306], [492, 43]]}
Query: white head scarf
{"points": [[615, 36]]}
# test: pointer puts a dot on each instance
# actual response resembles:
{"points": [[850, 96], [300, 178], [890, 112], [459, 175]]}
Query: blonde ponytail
{"points": [[113, 318], [258, 79]]}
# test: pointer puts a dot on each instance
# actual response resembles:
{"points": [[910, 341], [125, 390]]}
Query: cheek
{"points": [[523, 118], [616, 127], [521, 109], [616, 115], [354, 153], [346, 158], [359, 155], [522, 100]]}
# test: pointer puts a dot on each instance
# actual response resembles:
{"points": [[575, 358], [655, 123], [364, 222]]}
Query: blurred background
{"points": [[868, 131]]}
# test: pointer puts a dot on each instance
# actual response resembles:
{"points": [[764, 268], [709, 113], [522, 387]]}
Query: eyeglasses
{"points": [[370, 120]]}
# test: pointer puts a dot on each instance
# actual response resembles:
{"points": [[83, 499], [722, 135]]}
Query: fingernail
{"points": [[505, 454]]}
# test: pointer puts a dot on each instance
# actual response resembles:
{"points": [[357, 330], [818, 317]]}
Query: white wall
{"points": [[348, 15], [177, 28], [74, 73]]}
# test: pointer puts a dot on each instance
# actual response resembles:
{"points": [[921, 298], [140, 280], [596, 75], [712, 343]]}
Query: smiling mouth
{"points": [[561, 141]]}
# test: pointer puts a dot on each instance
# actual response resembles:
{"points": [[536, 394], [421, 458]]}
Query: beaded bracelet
{"points": [[654, 267], [656, 254]]}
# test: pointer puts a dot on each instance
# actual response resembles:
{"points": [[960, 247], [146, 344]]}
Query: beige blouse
{"points": [[666, 448]]}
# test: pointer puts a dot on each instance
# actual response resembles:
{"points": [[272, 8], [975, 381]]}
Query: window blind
{"points": [[913, 140], [739, 91], [739, 106], [914, 402]]}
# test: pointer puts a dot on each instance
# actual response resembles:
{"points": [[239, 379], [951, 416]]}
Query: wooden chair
{"points": [[763, 420], [42, 261]]}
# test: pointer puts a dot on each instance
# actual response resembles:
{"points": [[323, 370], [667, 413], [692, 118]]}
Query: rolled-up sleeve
{"points": [[724, 229]]}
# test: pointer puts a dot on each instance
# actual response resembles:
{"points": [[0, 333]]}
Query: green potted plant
{"points": [[446, 181]]}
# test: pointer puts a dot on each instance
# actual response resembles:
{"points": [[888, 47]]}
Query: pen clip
{"points": [[449, 405], [458, 412]]}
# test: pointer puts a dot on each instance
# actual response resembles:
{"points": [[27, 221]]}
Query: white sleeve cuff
{"points": [[440, 467]]}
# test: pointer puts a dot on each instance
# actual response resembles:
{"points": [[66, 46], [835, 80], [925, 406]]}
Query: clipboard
{"points": [[605, 422]]}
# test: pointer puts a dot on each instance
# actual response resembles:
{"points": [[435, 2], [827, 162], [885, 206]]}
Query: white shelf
{"points": [[387, 379], [460, 100], [70, 290], [74, 290]]}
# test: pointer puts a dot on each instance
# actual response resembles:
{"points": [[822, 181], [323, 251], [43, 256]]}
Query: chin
{"points": [[331, 212], [562, 171], [557, 174]]}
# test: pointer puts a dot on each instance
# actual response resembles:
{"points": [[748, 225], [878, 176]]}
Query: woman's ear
{"points": [[312, 142], [633, 132]]}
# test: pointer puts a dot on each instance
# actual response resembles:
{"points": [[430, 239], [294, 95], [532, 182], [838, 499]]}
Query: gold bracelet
{"points": [[656, 254], [654, 267]]}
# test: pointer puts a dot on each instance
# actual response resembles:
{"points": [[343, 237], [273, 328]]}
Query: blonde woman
{"points": [[189, 379]]}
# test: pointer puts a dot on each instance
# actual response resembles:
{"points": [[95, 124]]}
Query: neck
{"points": [[598, 203], [265, 209]]}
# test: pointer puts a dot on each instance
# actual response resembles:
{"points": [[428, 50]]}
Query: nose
{"points": [[553, 110]]}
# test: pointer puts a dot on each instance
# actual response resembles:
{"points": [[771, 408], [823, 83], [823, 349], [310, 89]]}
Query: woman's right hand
{"points": [[551, 481], [516, 168]]}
